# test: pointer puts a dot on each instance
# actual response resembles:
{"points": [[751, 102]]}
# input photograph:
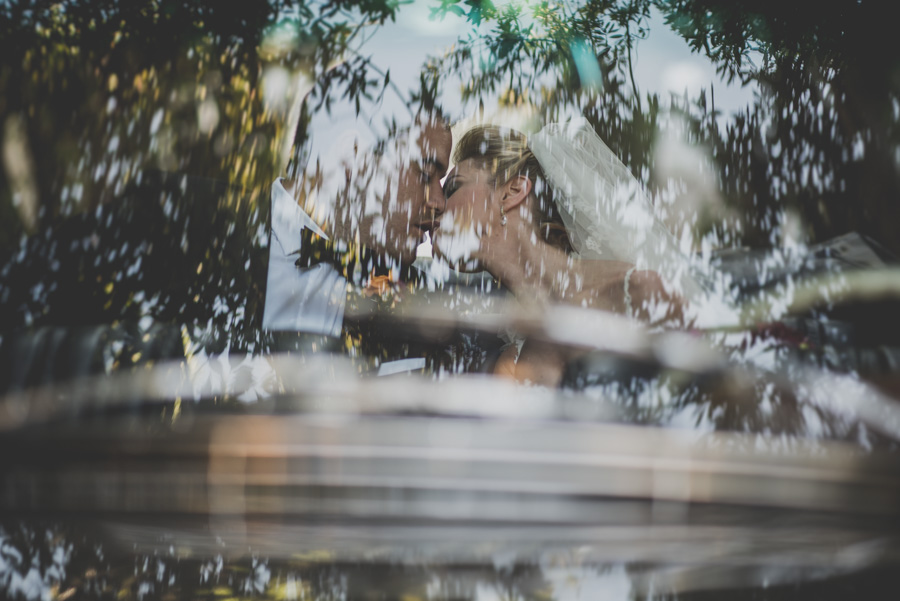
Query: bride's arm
{"points": [[543, 363], [545, 274]]}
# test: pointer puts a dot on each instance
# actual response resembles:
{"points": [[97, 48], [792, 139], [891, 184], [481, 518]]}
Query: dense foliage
{"points": [[97, 95]]}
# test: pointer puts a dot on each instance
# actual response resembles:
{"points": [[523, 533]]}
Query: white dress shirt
{"points": [[299, 299]]}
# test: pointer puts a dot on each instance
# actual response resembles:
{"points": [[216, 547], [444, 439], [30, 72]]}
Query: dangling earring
{"points": [[502, 216]]}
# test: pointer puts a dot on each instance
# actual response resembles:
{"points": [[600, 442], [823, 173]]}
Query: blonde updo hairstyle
{"points": [[505, 154]]}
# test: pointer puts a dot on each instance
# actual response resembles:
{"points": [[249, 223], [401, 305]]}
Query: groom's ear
{"points": [[515, 191]]}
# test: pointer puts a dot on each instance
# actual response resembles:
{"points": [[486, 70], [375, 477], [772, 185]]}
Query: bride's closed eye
{"points": [[450, 186]]}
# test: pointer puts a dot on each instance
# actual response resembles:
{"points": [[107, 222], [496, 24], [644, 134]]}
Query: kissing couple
{"points": [[554, 217]]}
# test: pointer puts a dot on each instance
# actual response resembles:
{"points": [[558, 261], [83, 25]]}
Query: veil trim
{"points": [[604, 207]]}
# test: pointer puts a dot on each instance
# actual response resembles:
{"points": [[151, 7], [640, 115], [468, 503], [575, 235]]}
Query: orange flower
{"points": [[380, 285]]}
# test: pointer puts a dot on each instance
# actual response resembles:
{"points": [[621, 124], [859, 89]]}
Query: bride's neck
{"points": [[535, 270]]}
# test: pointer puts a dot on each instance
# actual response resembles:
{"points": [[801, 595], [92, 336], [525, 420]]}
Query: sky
{"points": [[663, 63]]}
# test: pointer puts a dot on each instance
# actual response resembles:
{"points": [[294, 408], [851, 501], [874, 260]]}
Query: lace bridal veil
{"points": [[605, 209]]}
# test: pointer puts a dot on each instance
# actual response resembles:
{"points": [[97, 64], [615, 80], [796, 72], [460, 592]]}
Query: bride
{"points": [[558, 218]]}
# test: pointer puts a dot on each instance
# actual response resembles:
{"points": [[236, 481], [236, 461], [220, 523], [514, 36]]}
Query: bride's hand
{"points": [[619, 287]]}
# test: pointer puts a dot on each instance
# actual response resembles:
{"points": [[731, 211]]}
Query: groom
{"points": [[385, 202]]}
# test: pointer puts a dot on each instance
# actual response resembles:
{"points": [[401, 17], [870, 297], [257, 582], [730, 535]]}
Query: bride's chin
{"points": [[462, 265]]}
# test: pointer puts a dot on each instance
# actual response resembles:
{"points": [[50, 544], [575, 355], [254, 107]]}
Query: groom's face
{"points": [[411, 208]]}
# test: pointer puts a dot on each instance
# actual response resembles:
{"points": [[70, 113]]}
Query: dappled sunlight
{"points": [[448, 300]]}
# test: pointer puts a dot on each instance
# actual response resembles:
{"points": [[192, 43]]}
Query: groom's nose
{"points": [[435, 201]]}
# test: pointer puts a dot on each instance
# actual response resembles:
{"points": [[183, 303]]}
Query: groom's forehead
{"points": [[432, 143], [424, 143]]}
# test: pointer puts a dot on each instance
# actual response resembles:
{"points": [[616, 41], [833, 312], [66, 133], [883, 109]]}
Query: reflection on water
{"points": [[38, 561], [387, 491]]}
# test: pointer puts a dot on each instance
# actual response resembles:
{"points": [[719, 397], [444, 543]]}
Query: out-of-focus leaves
{"points": [[110, 91], [107, 90], [820, 139]]}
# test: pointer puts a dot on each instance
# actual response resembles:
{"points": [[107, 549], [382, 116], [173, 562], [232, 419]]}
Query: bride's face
{"points": [[471, 215]]}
